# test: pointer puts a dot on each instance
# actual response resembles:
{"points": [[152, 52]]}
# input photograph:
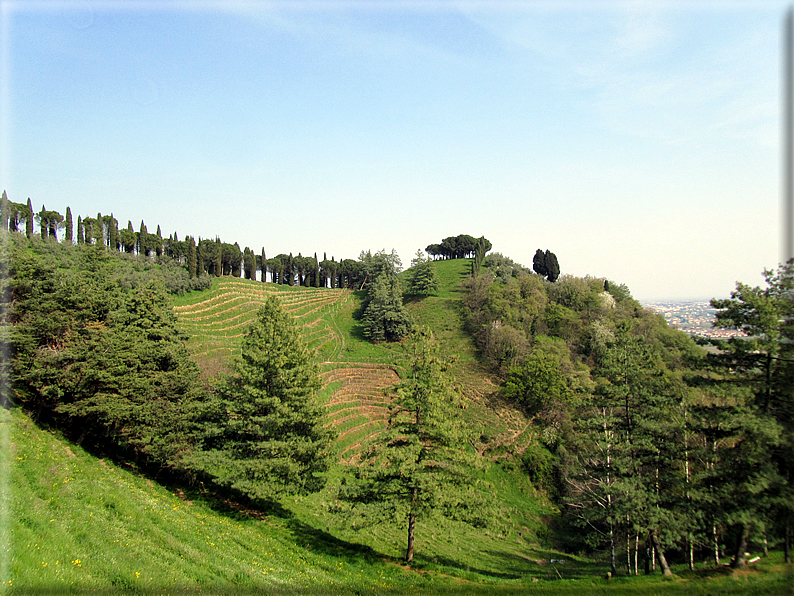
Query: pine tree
{"points": [[420, 466], [385, 317], [423, 279], [272, 441], [762, 364]]}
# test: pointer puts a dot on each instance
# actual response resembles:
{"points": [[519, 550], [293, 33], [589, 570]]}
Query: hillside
{"points": [[355, 371], [100, 360], [84, 524]]}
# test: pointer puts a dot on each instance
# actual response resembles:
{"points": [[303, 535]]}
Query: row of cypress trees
{"points": [[199, 256]]}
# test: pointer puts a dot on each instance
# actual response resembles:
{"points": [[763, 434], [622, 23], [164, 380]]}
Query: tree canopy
{"points": [[266, 438], [420, 466]]}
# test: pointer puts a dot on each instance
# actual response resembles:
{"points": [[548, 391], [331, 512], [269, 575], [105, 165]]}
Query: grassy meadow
{"points": [[78, 523]]}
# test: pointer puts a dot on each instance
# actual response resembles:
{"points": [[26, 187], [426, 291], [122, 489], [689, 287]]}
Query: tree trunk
{"points": [[716, 538], [636, 553], [628, 553], [409, 553], [660, 553], [739, 560], [787, 543]]}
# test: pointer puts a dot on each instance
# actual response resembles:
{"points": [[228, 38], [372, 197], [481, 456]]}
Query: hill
{"points": [[101, 351]]}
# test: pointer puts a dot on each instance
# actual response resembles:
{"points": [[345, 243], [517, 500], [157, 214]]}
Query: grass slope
{"points": [[83, 525]]}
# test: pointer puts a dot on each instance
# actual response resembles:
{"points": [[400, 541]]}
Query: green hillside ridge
{"points": [[120, 509], [215, 320]]}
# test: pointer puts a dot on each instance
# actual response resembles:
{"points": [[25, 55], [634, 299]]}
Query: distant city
{"points": [[692, 316]]}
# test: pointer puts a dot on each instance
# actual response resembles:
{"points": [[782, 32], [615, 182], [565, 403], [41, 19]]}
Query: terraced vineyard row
{"points": [[360, 407], [216, 321]]}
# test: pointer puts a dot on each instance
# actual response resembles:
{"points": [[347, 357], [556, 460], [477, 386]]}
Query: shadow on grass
{"points": [[322, 543], [236, 506], [427, 564]]}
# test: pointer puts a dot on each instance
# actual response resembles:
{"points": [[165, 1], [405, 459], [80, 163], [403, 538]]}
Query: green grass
{"points": [[84, 525]]}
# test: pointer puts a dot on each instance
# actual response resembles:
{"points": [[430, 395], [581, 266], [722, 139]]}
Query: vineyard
{"points": [[216, 321], [355, 372]]}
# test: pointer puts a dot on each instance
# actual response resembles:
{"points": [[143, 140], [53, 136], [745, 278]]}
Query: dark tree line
{"points": [[106, 364], [654, 450], [199, 256], [462, 246]]}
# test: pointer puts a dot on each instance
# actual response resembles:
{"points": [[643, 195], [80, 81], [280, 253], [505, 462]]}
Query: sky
{"points": [[638, 141]]}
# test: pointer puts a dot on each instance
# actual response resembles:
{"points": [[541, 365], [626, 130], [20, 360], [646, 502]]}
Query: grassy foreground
{"points": [[78, 524]]}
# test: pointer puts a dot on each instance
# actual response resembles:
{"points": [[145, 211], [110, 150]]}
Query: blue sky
{"points": [[639, 141]]}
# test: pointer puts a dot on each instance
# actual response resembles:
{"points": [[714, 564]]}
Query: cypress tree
{"points": [[29, 220], [191, 257], [199, 258], [43, 228], [4, 209], [115, 226], [264, 266], [69, 232], [80, 239], [99, 230], [218, 257]]}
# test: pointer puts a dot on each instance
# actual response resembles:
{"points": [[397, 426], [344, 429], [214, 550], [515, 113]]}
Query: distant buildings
{"points": [[692, 317]]}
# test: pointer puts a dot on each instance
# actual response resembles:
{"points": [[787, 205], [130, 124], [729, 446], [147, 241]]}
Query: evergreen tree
{"points": [[200, 258], [113, 233], [4, 211], [69, 232], [271, 441], [128, 239], [263, 266], [420, 466], [385, 317], [80, 238], [218, 257], [423, 279], [761, 363], [29, 220], [192, 259], [44, 227]]}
